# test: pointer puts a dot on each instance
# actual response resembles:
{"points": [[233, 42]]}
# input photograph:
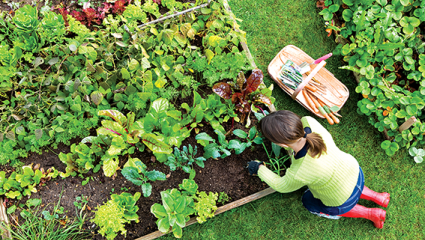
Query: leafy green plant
{"points": [[115, 213], [276, 163], [239, 146], [23, 183], [244, 92], [223, 198], [417, 154], [205, 205], [185, 159], [174, 212], [211, 148], [382, 46], [135, 171]]}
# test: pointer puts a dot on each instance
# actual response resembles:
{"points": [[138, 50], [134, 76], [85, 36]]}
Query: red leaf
{"points": [[254, 81], [223, 90], [103, 11], [64, 14], [237, 97], [79, 16], [91, 16], [157, 1], [119, 6]]}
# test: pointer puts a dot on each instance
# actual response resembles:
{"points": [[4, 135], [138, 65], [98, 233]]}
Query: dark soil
{"points": [[227, 175]]}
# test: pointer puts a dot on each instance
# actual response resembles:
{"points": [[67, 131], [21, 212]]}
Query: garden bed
{"points": [[227, 175]]}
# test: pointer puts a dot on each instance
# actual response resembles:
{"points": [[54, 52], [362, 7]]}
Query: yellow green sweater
{"points": [[330, 177]]}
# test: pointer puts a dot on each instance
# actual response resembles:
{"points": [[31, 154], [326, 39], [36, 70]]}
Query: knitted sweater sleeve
{"points": [[285, 184]]}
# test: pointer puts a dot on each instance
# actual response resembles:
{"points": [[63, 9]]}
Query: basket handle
{"points": [[307, 79]]}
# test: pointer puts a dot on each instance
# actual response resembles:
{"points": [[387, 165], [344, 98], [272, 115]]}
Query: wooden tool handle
{"points": [[307, 79], [310, 102], [311, 88], [322, 111], [336, 120]]}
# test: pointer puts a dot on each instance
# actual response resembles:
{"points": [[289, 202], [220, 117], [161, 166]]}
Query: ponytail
{"points": [[316, 145], [286, 127]]}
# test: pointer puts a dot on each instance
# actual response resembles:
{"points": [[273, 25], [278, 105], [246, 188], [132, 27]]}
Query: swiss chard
{"points": [[244, 92]]}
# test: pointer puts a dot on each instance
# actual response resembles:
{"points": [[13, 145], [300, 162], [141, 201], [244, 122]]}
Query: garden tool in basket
{"points": [[305, 66]]}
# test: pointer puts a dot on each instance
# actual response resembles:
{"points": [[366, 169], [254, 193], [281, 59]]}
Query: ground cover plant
{"points": [[122, 97], [382, 41]]}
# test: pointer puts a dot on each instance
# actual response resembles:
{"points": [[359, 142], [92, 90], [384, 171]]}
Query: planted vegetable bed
{"points": [[123, 115]]}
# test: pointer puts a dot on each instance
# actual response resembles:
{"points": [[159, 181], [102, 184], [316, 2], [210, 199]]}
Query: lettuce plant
{"points": [[26, 19], [174, 212], [111, 216], [135, 171], [205, 205]]}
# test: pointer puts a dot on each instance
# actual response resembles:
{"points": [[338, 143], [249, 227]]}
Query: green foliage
{"points": [[276, 163], [112, 215], [174, 212], [211, 148], [417, 154], [135, 171], [21, 184], [223, 198], [205, 205], [384, 48], [37, 223], [185, 159], [251, 137]]}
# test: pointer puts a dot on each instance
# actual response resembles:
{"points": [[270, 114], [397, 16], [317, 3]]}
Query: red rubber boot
{"points": [[376, 215], [382, 199]]}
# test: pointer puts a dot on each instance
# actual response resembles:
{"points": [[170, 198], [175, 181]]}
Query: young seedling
{"points": [[135, 171], [239, 146], [277, 163], [184, 159], [211, 148]]}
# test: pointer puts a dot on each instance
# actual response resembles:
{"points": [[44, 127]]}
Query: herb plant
{"points": [[381, 44], [135, 171]]}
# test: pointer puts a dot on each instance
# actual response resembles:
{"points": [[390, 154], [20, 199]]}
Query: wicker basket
{"points": [[336, 93]]}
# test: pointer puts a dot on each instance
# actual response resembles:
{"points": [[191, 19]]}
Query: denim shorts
{"points": [[314, 205]]}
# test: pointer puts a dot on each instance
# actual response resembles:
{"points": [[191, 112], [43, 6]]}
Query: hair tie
{"points": [[305, 135]]}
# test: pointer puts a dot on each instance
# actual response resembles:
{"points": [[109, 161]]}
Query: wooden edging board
{"points": [[221, 209], [5, 220]]}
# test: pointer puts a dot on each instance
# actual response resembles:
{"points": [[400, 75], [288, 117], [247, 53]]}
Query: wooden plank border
{"points": [[221, 209], [3, 217]]}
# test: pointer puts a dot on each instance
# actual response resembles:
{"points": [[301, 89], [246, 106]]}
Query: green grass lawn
{"points": [[271, 25]]}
